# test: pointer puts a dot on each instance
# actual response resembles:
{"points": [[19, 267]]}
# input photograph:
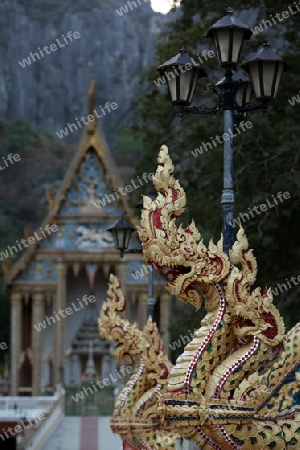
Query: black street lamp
{"points": [[229, 34], [234, 92], [182, 73], [265, 69], [121, 232]]}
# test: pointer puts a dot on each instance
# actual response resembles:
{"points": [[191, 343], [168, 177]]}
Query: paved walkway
{"points": [[83, 433]]}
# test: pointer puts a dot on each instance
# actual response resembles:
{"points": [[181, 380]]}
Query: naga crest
{"points": [[130, 340], [132, 343], [136, 418], [179, 254]]}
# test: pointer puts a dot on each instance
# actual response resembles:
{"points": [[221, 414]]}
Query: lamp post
{"points": [[121, 232], [234, 92]]}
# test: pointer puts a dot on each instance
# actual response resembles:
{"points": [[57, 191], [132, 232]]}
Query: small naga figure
{"points": [[236, 386], [136, 418]]}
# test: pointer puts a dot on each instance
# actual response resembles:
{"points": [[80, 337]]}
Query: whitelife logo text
{"points": [[33, 57], [256, 210], [218, 140], [64, 313], [11, 159], [25, 243], [85, 120]]}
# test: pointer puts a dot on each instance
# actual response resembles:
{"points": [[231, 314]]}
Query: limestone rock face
{"points": [[52, 91]]}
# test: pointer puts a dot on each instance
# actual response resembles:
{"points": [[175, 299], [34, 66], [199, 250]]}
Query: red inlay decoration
{"points": [[272, 331]]}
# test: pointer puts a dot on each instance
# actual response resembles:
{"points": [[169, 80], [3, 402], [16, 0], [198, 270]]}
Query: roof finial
{"points": [[92, 103], [92, 97]]}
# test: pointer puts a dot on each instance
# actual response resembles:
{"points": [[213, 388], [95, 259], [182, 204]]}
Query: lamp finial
{"points": [[230, 11]]}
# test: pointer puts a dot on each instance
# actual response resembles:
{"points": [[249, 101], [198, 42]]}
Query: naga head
{"points": [[252, 312], [190, 268], [131, 342], [178, 253], [135, 416], [155, 359]]}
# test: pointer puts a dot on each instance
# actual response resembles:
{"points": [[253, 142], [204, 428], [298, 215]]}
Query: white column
{"points": [[38, 315], [59, 326], [15, 348]]}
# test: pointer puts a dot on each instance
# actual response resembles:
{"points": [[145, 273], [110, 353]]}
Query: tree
{"points": [[22, 193], [266, 156]]}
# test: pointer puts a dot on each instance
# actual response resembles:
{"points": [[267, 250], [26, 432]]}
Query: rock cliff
{"points": [[50, 92]]}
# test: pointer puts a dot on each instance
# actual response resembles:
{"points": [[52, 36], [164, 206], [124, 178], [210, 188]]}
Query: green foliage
{"points": [[18, 134], [127, 148], [266, 157], [25, 177], [22, 199]]}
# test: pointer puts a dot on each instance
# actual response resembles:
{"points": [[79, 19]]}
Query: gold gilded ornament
{"points": [[136, 415], [236, 385]]}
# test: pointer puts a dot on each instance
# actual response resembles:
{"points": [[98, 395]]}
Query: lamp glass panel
{"points": [[118, 238], [269, 71], [254, 75], [185, 83], [171, 78], [194, 82], [126, 237], [270, 76], [249, 92], [238, 39], [223, 39], [114, 237], [279, 76], [243, 94]]}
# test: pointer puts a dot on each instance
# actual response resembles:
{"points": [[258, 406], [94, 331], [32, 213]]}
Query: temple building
{"points": [[59, 283]]}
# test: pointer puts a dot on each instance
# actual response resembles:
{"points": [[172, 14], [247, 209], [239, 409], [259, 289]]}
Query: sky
{"points": [[162, 6]]}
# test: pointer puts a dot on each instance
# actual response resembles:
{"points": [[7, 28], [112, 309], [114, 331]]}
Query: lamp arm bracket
{"points": [[201, 110], [213, 87], [250, 107]]}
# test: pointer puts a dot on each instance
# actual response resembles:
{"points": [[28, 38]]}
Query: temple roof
{"points": [[87, 202]]}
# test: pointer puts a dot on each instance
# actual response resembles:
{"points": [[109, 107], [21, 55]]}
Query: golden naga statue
{"points": [[136, 418], [236, 386]]}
